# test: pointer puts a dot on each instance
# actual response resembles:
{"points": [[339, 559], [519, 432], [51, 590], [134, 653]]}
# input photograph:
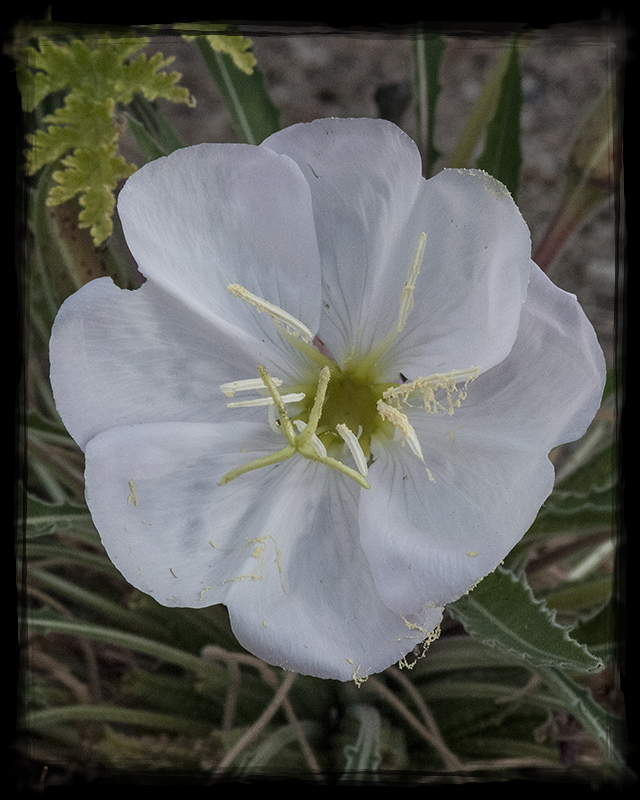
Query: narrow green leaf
{"points": [[586, 499], [71, 555], [273, 746], [604, 726], [502, 155], [364, 756], [580, 595], [427, 51], [43, 719], [140, 644], [502, 612], [252, 110], [154, 134], [42, 518], [150, 149], [112, 611], [481, 113]]}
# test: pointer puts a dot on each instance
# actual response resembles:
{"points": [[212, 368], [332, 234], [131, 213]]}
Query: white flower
{"points": [[335, 503]]}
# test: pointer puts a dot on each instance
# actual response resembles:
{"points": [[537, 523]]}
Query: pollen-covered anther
{"points": [[277, 314], [351, 440], [401, 422], [427, 388]]}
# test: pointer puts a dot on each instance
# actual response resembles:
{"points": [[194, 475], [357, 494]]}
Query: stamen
{"points": [[285, 422], [354, 445], [318, 403], [306, 443], [402, 423], [406, 298], [427, 387], [294, 397], [363, 371], [317, 445], [249, 385], [276, 313]]}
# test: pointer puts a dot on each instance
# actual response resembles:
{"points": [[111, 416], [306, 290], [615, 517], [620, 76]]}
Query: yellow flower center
{"points": [[342, 413]]}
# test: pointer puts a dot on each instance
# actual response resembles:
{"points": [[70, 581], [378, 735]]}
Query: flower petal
{"points": [[212, 215], [371, 204], [278, 546], [548, 390], [473, 282], [432, 540], [364, 177], [121, 357]]}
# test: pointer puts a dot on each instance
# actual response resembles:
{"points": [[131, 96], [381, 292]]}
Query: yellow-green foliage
{"points": [[97, 73], [235, 46]]}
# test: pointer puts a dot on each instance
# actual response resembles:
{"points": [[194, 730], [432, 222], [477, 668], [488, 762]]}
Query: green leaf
{"points": [[364, 755], [163, 652], [97, 75], [582, 595], [41, 518], [428, 49], [253, 112], [481, 113], [604, 726], [43, 719], [238, 48], [502, 612], [587, 499], [598, 632], [502, 155]]}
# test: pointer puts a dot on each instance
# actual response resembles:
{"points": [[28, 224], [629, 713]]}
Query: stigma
{"points": [[335, 421]]}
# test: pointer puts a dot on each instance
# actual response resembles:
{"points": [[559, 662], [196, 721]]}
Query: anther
{"points": [[428, 386], [353, 444], [249, 385], [293, 397], [406, 298], [276, 313], [406, 304], [401, 422]]}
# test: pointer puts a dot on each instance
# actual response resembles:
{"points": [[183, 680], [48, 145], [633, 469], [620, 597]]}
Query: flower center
{"points": [[353, 405], [342, 413]]}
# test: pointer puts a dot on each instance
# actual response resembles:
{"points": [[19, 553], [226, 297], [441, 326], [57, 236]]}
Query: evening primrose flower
{"points": [[330, 405]]}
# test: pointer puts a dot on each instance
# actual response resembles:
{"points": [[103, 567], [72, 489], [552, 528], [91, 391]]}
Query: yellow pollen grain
{"points": [[473, 553], [355, 677], [401, 422], [132, 493], [258, 554]]}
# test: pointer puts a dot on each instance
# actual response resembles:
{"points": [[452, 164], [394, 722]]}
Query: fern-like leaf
{"points": [[236, 46], [97, 74]]}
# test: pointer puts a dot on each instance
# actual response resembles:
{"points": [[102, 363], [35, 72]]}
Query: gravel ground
{"points": [[313, 73]]}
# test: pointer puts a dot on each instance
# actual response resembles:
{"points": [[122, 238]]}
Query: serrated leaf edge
{"points": [[550, 615]]}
